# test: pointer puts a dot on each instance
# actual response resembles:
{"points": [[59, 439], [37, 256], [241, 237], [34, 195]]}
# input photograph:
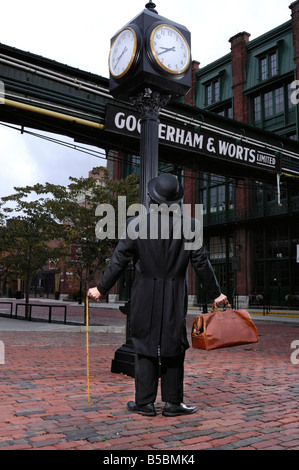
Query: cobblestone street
{"points": [[247, 396]]}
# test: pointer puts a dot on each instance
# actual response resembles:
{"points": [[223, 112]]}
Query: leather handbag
{"points": [[223, 329]]}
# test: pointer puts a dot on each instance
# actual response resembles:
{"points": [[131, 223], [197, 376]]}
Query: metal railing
{"points": [[7, 303], [48, 306], [30, 306]]}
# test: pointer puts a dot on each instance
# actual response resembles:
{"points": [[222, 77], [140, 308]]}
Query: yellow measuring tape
{"points": [[87, 349]]}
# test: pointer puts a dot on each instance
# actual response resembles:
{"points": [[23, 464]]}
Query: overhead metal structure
{"points": [[49, 96]]}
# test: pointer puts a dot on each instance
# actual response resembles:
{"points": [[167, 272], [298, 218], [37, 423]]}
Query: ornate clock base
{"points": [[149, 104]]}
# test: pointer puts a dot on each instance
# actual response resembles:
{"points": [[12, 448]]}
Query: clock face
{"points": [[170, 49], [122, 52]]}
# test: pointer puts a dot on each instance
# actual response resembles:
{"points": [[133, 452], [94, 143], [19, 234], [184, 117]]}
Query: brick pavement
{"points": [[247, 397]]}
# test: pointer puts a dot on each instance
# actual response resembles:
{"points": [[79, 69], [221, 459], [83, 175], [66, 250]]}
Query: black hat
{"points": [[166, 189]]}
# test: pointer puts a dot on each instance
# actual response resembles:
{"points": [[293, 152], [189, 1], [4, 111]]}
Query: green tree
{"points": [[67, 213], [74, 206], [25, 234]]}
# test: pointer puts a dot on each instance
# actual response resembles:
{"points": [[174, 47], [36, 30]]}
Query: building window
{"points": [[226, 111], [263, 68], [212, 92], [216, 91], [273, 64], [220, 246], [217, 248], [259, 245], [264, 196], [260, 274], [271, 103], [268, 66], [274, 262], [257, 108], [292, 136], [277, 244], [279, 100], [274, 108], [258, 192], [216, 195], [208, 94], [274, 102], [268, 104]]}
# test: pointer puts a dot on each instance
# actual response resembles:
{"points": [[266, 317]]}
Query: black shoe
{"points": [[145, 410], [176, 410]]}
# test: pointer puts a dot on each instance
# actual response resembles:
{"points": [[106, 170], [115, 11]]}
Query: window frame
{"points": [[266, 69], [212, 92], [278, 100]]}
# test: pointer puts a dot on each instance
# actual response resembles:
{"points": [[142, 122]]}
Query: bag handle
{"points": [[225, 307], [198, 323]]}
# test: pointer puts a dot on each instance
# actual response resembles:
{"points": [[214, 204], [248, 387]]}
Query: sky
{"points": [[78, 34]]}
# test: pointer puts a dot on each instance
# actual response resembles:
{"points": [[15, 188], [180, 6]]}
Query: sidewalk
{"points": [[100, 319], [247, 396], [100, 313]]}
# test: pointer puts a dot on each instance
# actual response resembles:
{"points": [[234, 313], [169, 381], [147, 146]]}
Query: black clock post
{"points": [[149, 104], [150, 65]]}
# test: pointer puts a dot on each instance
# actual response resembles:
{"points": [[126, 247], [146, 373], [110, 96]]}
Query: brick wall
{"points": [[189, 97], [242, 196], [239, 59]]}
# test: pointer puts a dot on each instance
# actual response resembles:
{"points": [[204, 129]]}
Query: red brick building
{"points": [[250, 231]]}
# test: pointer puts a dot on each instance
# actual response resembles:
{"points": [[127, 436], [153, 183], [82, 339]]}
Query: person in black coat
{"points": [[161, 244]]}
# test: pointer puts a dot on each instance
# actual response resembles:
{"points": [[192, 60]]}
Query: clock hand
{"points": [[118, 59], [166, 49]]}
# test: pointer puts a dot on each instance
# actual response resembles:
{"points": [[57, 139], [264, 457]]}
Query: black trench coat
{"points": [[159, 297]]}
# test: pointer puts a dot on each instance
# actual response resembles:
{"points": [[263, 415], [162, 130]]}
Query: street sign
{"points": [[220, 147]]}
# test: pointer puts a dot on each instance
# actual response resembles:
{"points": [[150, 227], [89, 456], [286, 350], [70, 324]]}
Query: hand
{"points": [[166, 49], [118, 59], [94, 294], [222, 299]]}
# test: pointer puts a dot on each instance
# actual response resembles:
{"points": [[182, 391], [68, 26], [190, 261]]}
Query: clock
{"points": [[169, 49], [150, 52], [123, 52]]}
